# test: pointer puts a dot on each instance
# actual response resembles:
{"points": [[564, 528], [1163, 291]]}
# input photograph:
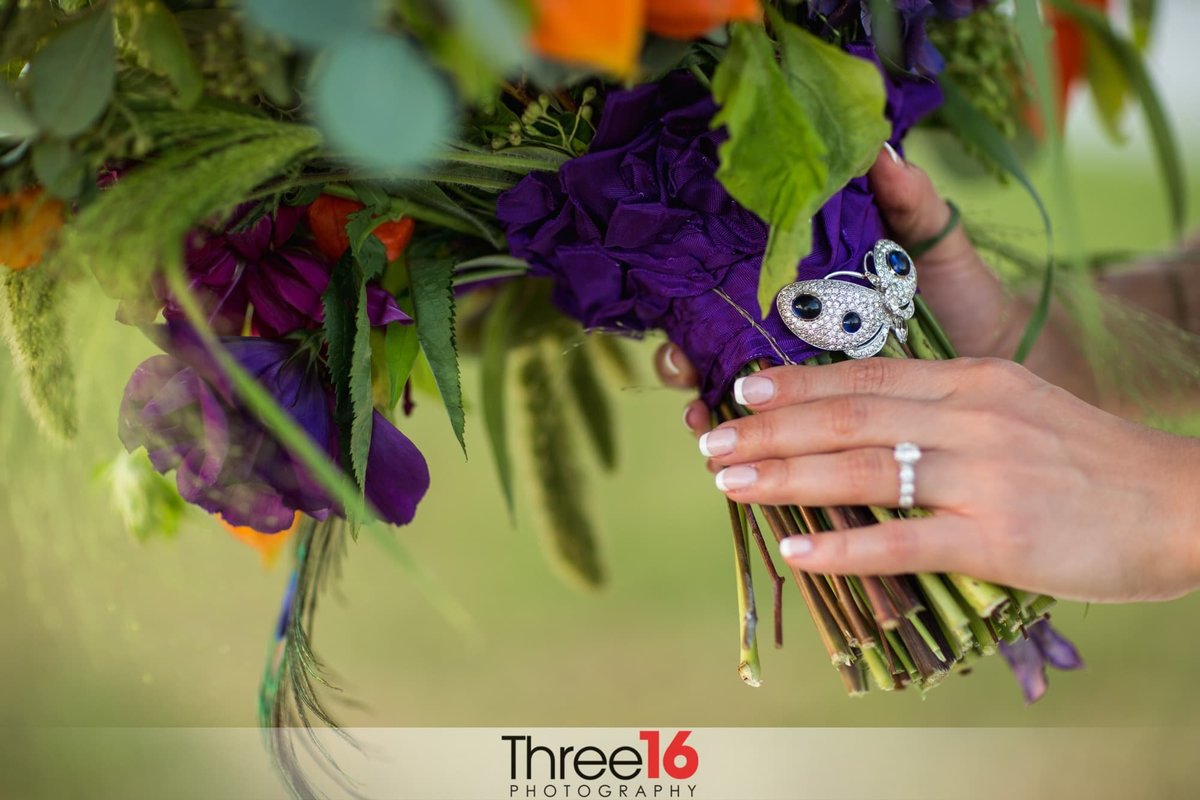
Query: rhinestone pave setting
{"points": [[839, 315]]}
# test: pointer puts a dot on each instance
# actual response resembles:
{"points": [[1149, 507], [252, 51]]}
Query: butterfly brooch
{"points": [[851, 318]]}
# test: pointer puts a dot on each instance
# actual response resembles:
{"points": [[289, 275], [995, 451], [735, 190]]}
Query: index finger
{"points": [[911, 379]]}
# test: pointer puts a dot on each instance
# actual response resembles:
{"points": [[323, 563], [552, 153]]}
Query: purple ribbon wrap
{"points": [[638, 234]]}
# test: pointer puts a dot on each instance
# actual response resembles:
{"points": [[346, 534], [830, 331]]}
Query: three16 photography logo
{"points": [[658, 764]]}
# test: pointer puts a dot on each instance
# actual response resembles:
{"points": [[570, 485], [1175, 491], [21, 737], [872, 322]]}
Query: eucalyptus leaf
{"points": [[71, 78], [493, 28], [380, 102], [15, 121], [314, 23], [57, 167]]}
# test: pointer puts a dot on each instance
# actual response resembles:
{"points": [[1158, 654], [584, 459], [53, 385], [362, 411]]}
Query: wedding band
{"points": [[907, 455]]}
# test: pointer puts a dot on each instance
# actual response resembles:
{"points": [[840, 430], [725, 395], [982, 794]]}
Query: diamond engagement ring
{"points": [[907, 455]]}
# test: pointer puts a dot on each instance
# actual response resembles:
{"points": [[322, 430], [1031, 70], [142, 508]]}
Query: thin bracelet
{"points": [[921, 248]]}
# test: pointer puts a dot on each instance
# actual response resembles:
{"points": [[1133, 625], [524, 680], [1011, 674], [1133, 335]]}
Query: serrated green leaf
{"points": [[15, 121], [1166, 146], [973, 126], [493, 360], [71, 79], [373, 116], [314, 23], [796, 135], [400, 348], [592, 401], [348, 334], [433, 301], [152, 31]]}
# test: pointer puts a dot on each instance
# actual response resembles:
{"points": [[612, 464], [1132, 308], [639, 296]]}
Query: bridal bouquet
{"points": [[316, 210]]}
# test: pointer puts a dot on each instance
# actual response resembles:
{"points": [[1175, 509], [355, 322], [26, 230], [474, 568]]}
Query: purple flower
{"points": [[262, 266], [638, 234], [185, 412], [1029, 657]]}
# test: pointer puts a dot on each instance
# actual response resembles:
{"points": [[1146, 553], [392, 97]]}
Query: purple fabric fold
{"points": [[638, 234]]}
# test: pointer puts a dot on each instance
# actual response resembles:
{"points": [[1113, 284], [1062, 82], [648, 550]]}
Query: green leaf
{"points": [[400, 348], [1141, 17], [1109, 85], [152, 31], [493, 358], [592, 401], [15, 121], [796, 136], [57, 167], [973, 126], [1166, 146], [71, 78], [183, 184], [314, 23], [380, 102], [149, 503], [433, 301], [348, 333]]}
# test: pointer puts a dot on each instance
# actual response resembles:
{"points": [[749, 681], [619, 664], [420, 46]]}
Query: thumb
{"points": [[913, 210]]}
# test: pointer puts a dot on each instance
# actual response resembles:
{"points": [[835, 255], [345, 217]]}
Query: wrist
{"points": [[1183, 506]]}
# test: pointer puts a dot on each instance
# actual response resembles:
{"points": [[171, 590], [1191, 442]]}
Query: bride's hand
{"points": [[1029, 486]]}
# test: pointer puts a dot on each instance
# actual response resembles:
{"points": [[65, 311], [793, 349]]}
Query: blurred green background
{"points": [[99, 630]]}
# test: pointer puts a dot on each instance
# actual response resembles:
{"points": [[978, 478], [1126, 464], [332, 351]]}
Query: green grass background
{"points": [[99, 630]]}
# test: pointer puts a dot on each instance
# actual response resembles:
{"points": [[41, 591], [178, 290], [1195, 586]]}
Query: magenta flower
{"points": [[263, 268], [187, 415]]}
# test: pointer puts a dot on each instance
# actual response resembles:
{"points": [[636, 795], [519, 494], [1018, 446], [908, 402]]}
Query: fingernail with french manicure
{"points": [[891, 151], [669, 357], [718, 442], [795, 547], [739, 477], [753, 389]]}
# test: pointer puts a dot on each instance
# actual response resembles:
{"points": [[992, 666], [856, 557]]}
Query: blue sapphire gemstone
{"points": [[807, 306], [899, 262], [851, 323]]}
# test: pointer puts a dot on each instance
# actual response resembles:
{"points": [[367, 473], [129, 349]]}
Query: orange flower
{"points": [[1070, 54], [327, 218], [268, 545], [595, 33], [608, 34], [28, 225], [687, 19]]}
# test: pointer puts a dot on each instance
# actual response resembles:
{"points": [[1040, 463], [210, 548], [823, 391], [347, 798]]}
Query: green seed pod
{"points": [[33, 325]]}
